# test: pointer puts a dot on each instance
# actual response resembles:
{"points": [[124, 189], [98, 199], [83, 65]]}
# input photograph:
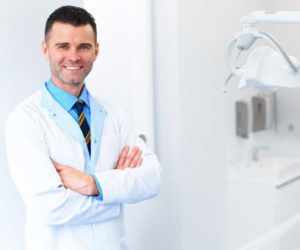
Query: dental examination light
{"points": [[266, 68]]}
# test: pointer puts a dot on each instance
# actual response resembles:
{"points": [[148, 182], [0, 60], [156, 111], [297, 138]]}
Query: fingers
{"points": [[131, 160], [136, 159], [122, 158], [131, 156], [140, 162]]}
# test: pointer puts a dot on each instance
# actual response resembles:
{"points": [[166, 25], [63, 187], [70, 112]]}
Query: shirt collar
{"points": [[65, 99]]}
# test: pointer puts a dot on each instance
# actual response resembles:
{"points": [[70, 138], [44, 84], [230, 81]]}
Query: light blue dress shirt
{"points": [[67, 101]]}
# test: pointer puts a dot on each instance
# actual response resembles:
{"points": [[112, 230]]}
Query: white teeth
{"points": [[72, 67]]}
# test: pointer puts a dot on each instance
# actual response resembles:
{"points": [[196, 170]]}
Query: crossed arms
{"points": [[85, 184]]}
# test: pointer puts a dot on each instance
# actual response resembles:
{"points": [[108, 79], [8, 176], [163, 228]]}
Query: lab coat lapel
{"points": [[98, 114], [61, 117]]}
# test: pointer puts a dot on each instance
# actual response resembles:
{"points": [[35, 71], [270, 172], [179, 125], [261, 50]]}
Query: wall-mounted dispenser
{"points": [[258, 113], [241, 115], [255, 113]]}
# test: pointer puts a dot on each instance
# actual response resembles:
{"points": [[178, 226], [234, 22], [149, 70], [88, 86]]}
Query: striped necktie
{"points": [[83, 124]]}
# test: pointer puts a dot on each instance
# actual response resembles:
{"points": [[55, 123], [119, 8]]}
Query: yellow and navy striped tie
{"points": [[83, 124]]}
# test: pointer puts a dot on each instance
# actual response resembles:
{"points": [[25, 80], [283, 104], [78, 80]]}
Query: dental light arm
{"points": [[245, 39], [259, 16]]}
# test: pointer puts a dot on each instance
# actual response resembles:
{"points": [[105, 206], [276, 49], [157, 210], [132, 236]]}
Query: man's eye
{"points": [[84, 47], [62, 46]]}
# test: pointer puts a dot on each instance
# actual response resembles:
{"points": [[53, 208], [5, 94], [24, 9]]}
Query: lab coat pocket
{"points": [[110, 149]]}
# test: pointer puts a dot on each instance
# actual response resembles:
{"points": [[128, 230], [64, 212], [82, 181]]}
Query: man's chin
{"points": [[73, 82]]}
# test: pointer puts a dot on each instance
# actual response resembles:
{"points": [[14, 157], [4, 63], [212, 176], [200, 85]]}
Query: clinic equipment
{"points": [[267, 68]]}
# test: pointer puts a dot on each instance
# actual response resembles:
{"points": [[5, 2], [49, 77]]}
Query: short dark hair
{"points": [[73, 15]]}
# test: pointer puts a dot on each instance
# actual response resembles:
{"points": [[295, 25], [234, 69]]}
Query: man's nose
{"points": [[73, 55]]}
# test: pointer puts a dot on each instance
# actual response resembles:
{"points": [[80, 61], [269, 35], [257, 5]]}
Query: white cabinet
{"points": [[256, 205]]}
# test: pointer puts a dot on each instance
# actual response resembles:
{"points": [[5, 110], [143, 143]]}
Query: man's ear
{"points": [[96, 51], [45, 50]]}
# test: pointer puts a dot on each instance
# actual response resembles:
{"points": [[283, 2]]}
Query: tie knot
{"points": [[79, 106]]}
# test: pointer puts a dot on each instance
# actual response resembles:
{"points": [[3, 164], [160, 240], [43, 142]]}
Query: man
{"points": [[75, 160]]}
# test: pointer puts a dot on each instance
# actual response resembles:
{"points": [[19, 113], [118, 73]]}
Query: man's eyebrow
{"points": [[59, 44], [86, 44], [66, 44]]}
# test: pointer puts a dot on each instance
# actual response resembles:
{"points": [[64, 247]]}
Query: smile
{"points": [[72, 68]]}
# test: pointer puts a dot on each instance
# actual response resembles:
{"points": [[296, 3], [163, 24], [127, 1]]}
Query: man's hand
{"points": [[131, 160], [76, 180]]}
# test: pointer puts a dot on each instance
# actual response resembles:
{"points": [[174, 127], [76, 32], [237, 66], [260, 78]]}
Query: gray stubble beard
{"points": [[58, 75]]}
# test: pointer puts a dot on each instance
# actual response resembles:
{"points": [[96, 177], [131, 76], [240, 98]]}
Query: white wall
{"points": [[193, 117], [23, 71], [166, 84], [122, 73]]}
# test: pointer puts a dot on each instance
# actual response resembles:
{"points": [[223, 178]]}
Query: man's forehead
{"points": [[64, 27], [68, 31]]}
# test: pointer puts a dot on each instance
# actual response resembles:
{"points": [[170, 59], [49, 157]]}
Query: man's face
{"points": [[71, 52]]}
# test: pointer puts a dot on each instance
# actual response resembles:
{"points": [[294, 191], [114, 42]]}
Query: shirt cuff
{"points": [[100, 196]]}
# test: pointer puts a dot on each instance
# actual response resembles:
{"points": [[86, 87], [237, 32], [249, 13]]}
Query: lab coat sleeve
{"points": [[40, 186], [132, 184]]}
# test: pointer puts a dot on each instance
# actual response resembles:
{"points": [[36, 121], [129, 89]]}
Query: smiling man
{"points": [[75, 160], [71, 52]]}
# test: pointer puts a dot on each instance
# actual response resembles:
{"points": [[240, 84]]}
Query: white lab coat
{"points": [[39, 130]]}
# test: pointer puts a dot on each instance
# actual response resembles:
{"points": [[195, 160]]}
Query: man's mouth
{"points": [[72, 67]]}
